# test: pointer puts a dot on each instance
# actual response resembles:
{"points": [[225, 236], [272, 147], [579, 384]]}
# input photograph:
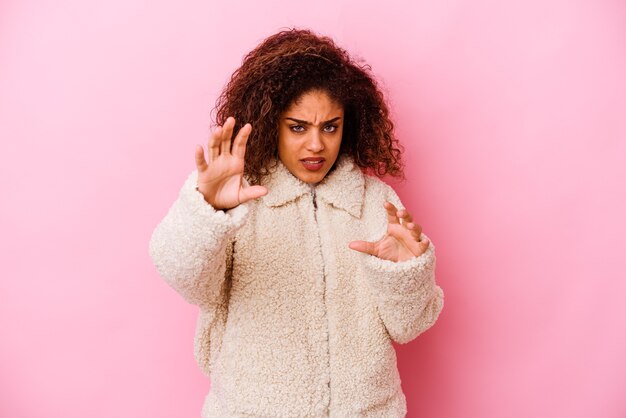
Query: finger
{"points": [[418, 248], [413, 230], [251, 192], [364, 247], [200, 161], [418, 229], [405, 216], [213, 147], [239, 145], [229, 125], [391, 213], [424, 244]]}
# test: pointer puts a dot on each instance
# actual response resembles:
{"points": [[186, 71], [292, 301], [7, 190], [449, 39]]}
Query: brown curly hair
{"points": [[284, 67]]}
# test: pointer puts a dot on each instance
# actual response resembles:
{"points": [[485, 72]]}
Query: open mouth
{"points": [[312, 163]]}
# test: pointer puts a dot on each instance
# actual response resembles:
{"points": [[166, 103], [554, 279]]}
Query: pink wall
{"points": [[513, 115]]}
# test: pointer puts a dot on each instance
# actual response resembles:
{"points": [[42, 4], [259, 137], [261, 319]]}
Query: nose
{"points": [[314, 142]]}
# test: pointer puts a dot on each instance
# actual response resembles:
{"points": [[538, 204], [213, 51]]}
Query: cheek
{"points": [[283, 141], [287, 146], [337, 142]]}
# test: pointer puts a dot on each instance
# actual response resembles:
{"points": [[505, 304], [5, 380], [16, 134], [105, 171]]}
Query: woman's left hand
{"points": [[402, 240]]}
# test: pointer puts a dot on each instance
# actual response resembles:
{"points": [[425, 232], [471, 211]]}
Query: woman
{"points": [[304, 265]]}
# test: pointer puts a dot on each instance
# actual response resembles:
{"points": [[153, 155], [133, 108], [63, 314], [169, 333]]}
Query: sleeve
{"points": [[409, 300], [191, 246]]}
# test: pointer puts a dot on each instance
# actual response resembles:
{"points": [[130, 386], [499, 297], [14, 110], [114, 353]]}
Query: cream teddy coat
{"points": [[292, 322]]}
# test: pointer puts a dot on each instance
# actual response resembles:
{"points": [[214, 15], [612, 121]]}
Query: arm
{"points": [[409, 300], [401, 272], [190, 247]]}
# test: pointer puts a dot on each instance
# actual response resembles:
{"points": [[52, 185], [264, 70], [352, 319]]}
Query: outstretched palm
{"points": [[402, 240], [220, 179]]}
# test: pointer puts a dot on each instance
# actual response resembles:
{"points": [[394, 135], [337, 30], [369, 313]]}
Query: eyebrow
{"points": [[304, 122]]}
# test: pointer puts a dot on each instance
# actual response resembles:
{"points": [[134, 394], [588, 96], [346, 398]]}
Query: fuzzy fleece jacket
{"points": [[292, 322]]}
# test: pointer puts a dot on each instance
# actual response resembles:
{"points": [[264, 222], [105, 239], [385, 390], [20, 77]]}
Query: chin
{"points": [[311, 177]]}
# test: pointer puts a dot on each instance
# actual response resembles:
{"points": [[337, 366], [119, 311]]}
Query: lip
{"points": [[313, 163]]}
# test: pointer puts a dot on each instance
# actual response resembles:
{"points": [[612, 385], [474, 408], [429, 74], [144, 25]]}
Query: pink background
{"points": [[514, 121]]}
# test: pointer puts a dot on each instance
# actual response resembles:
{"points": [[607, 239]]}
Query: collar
{"points": [[343, 187]]}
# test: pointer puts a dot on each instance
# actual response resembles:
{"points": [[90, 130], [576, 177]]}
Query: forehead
{"points": [[316, 101]]}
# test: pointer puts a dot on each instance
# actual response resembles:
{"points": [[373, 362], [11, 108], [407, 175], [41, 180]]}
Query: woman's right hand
{"points": [[220, 179]]}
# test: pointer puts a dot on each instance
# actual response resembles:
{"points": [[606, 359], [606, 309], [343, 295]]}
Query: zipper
{"points": [[319, 240], [315, 204]]}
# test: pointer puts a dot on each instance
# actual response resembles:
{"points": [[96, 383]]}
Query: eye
{"points": [[333, 128], [296, 128]]}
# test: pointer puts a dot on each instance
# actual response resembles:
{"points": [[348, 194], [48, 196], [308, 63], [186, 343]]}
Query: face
{"points": [[309, 136]]}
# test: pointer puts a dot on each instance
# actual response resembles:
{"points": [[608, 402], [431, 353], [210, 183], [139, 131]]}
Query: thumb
{"points": [[200, 161], [364, 247], [251, 192]]}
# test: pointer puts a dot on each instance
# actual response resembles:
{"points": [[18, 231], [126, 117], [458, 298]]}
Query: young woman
{"points": [[304, 264]]}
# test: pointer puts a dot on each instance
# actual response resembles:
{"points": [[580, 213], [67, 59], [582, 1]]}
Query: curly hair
{"points": [[289, 64]]}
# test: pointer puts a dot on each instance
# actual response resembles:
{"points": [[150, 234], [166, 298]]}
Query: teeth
{"points": [[313, 162]]}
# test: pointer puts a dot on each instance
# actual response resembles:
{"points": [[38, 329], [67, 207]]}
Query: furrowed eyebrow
{"points": [[304, 122]]}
